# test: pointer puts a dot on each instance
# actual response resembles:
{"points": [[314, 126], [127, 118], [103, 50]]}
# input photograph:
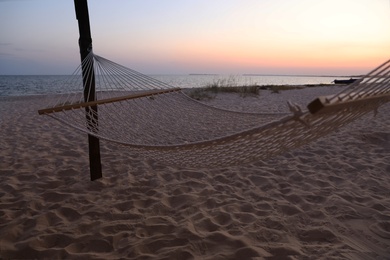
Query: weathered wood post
{"points": [[85, 44]]}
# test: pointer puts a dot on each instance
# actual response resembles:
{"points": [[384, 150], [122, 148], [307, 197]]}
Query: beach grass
{"points": [[228, 86]]}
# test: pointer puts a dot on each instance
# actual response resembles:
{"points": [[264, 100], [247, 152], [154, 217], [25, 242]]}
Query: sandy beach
{"points": [[326, 200]]}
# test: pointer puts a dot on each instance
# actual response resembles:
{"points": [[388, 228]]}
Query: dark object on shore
{"points": [[344, 81]]}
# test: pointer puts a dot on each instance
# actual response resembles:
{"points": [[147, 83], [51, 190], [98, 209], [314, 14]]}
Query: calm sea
{"points": [[37, 85]]}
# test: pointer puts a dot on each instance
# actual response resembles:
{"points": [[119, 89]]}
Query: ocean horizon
{"points": [[22, 85]]}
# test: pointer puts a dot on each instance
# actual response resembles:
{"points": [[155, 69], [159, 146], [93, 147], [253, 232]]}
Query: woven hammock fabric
{"points": [[175, 129]]}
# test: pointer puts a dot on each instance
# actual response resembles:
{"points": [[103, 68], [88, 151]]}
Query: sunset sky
{"points": [[316, 37]]}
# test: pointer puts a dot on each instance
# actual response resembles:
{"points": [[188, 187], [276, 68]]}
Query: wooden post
{"points": [[85, 44]]}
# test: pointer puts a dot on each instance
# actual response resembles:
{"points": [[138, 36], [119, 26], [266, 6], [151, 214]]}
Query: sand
{"points": [[327, 200]]}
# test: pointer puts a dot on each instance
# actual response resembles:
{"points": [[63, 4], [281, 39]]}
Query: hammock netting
{"points": [[158, 121]]}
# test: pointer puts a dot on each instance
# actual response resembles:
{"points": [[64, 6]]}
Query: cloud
{"points": [[2, 54], [5, 50], [18, 49], [28, 50]]}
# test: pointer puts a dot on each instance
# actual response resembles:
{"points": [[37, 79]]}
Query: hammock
{"points": [[158, 121]]}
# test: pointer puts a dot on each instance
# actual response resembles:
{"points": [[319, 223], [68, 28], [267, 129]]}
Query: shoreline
{"points": [[328, 199], [270, 87]]}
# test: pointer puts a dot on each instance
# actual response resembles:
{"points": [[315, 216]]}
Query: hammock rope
{"points": [[158, 121]]}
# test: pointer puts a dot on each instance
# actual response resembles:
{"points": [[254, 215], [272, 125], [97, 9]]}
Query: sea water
{"points": [[38, 84]]}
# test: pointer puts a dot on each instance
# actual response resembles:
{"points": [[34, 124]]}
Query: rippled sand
{"points": [[327, 200]]}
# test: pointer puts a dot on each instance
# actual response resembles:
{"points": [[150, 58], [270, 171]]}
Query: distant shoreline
{"points": [[307, 76], [200, 74], [278, 75]]}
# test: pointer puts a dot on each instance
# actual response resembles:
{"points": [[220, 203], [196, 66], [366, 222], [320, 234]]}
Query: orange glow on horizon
{"points": [[316, 58]]}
